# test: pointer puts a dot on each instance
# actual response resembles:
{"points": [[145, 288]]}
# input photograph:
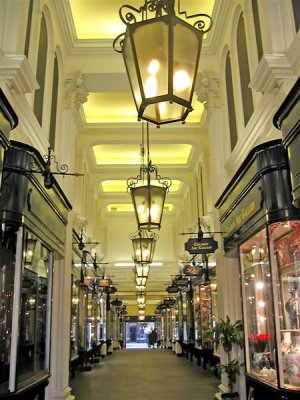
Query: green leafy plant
{"points": [[228, 334]]}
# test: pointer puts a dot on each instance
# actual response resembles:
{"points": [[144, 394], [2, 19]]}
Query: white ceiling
{"points": [[108, 119]]}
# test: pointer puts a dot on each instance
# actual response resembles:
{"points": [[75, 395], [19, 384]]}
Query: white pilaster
{"points": [[58, 388]]}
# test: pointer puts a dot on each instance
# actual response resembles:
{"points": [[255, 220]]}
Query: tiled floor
{"points": [[144, 374]]}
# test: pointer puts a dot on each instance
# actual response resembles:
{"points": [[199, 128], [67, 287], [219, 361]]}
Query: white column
{"points": [[58, 387]]}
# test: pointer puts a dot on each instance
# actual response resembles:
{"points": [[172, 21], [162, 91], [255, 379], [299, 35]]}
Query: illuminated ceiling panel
{"points": [[121, 186], [129, 207], [109, 107], [118, 154], [94, 19], [117, 107]]}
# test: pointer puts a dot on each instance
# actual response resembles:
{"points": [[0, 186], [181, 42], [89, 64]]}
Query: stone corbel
{"points": [[75, 92], [272, 70], [16, 72], [207, 89]]}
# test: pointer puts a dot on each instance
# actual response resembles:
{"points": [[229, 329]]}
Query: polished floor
{"points": [[135, 374]]}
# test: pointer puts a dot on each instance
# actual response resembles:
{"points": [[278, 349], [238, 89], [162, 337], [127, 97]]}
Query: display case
{"points": [[33, 232], [261, 224], [270, 262], [203, 317]]}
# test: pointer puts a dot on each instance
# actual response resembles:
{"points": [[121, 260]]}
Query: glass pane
{"points": [[186, 48], [33, 316], [82, 316], [132, 72], [7, 273], [258, 308], [285, 239], [74, 319], [152, 43], [164, 111]]}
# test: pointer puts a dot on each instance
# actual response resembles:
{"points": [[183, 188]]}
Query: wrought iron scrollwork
{"points": [[130, 15], [143, 234], [146, 170]]}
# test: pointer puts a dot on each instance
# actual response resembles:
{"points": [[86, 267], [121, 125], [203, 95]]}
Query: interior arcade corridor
{"points": [[149, 197], [145, 374]]}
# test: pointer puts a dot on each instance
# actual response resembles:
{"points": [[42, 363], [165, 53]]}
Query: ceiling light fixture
{"points": [[148, 200], [161, 53], [143, 243]]}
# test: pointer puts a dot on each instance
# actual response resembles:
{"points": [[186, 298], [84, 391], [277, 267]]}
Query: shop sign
{"points": [[172, 289], [103, 282], [244, 211], [192, 270], [203, 246]]}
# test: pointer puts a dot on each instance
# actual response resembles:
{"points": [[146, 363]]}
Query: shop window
{"points": [[244, 70], [54, 103], [74, 319], [34, 310], [7, 275], [230, 102], [270, 262], [257, 29], [28, 28], [296, 9], [41, 71]]}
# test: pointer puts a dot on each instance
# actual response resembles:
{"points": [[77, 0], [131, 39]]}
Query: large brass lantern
{"points": [[161, 54], [143, 243], [148, 199]]}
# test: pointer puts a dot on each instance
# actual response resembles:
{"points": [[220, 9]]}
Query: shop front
{"points": [[262, 226], [33, 231], [287, 119]]}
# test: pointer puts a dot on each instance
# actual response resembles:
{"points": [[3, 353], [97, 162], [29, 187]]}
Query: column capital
{"points": [[208, 90], [75, 93]]}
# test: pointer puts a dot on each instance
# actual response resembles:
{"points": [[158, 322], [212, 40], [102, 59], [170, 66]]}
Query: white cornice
{"points": [[16, 71], [270, 71], [91, 47], [220, 19]]}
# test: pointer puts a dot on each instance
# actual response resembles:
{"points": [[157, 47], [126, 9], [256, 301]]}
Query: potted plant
{"points": [[228, 334]]}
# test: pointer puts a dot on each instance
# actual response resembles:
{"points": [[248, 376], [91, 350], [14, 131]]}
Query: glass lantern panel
{"points": [[132, 69], [34, 310], [258, 308], [7, 269], [151, 41], [285, 243], [186, 55], [164, 112], [148, 203]]}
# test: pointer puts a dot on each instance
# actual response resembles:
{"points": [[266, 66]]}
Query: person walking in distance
{"points": [[153, 338]]}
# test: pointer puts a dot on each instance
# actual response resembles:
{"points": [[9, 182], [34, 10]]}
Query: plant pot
{"points": [[234, 395]]}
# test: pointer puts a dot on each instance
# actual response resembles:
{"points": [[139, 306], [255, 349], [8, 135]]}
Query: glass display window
{"points": [[285, 247], [7, 275], [270, 263], [25, 296], [74, 318], [34, 312], [258, 308], [204, 295]]}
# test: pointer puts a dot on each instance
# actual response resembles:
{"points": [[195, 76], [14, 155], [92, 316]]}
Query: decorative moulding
{"points": [[17, 73], [272, 69]]}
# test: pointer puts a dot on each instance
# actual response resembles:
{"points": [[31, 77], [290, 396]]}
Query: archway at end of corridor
{"points": [[137, 334]]}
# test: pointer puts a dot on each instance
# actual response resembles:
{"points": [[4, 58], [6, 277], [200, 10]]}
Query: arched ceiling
{"points": [[110, 139]]}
